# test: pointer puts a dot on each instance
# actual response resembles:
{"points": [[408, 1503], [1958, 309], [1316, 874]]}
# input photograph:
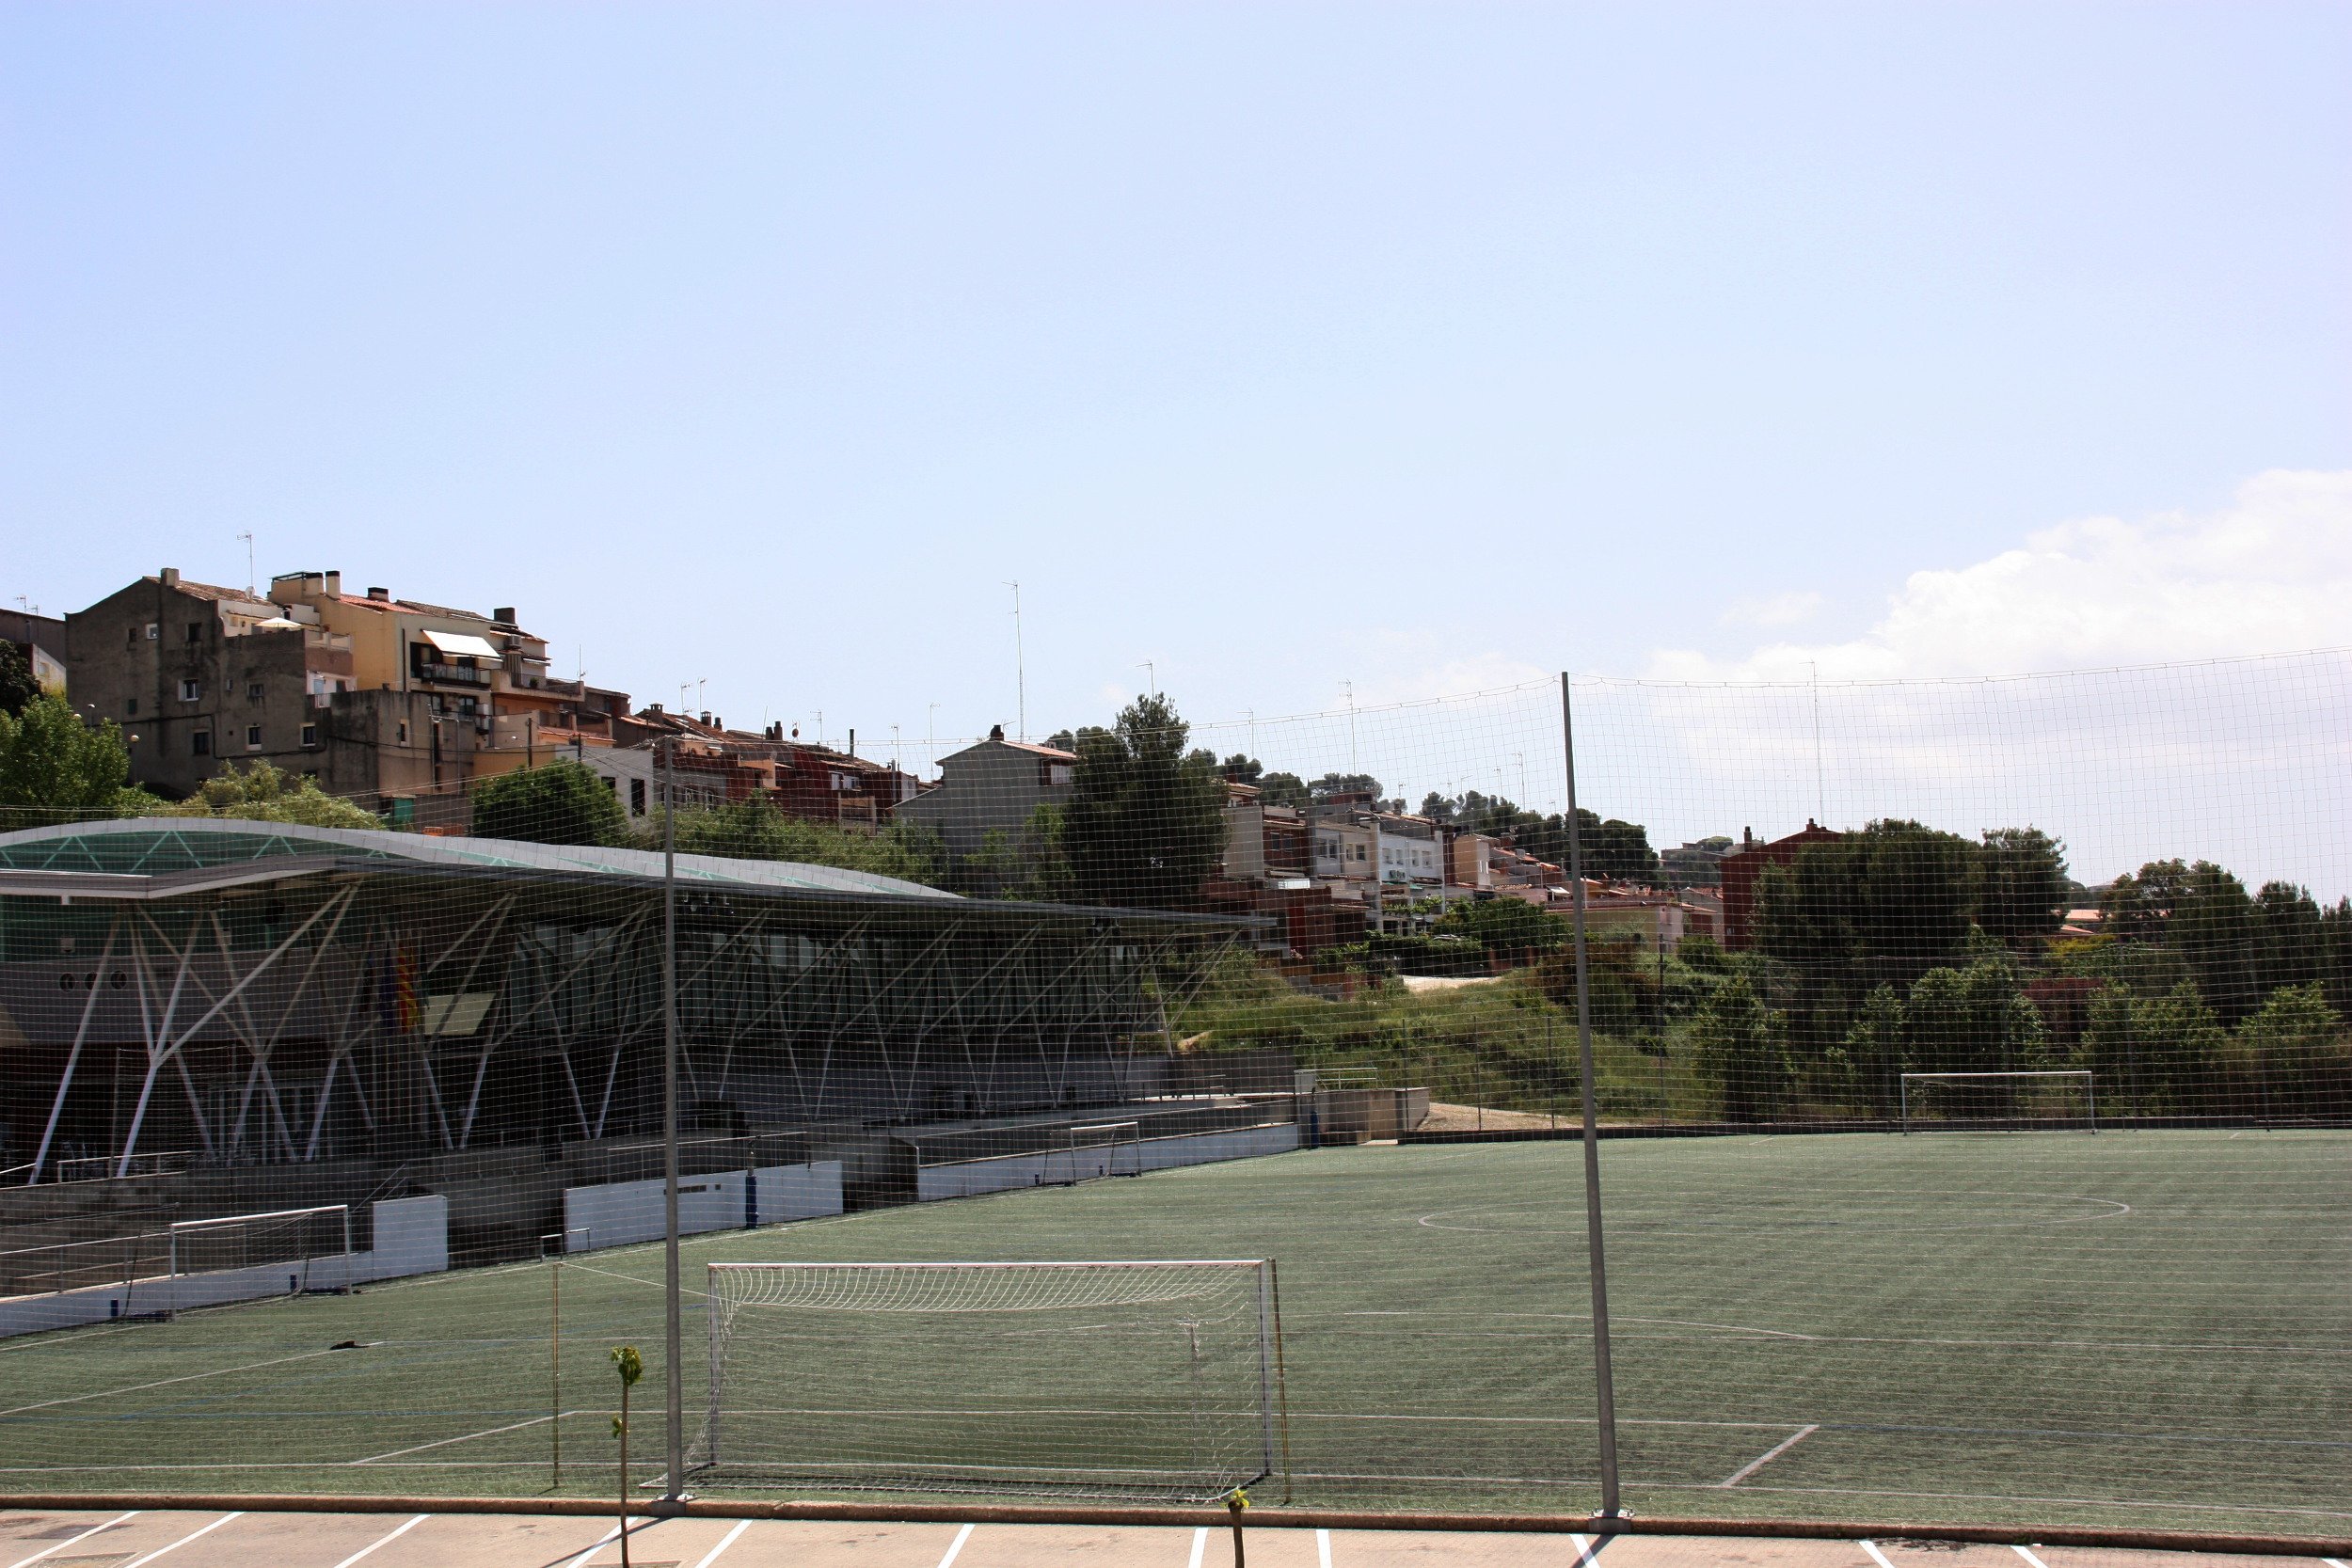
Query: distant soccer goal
{"points": [[2048, 1102], [1135, 1380], [296, 1237], [1090, 1151]]}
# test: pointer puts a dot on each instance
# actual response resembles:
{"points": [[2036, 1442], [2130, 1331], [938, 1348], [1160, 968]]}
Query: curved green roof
{"points": [[161, 846]]}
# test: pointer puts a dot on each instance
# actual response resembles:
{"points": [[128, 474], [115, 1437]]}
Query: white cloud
{"points": [[2270, 572], [1777, 610]]}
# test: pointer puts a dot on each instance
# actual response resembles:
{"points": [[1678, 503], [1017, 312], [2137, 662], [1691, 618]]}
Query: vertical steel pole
{"points": [[1604, 1381], [674, 1339]]}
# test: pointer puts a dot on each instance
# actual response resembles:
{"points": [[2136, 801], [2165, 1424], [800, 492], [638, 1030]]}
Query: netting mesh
{"points": [[1140, 1380], [1864, 964]]}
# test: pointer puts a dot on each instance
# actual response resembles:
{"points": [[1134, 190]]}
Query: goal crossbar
{"points": [[2087, 1079], [1133, 1378], [183, 1234]]}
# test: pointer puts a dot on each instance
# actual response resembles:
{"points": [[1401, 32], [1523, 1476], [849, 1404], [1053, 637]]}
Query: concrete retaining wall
{"points": [[970, 1177], [622, 1213], [411, 1238]]}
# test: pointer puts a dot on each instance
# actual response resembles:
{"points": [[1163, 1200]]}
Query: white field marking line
{"points": [[1323, 1547], [74, 1540], [1201, 1549], [166, 1382], [2332, 1562], [384, 1542], [2031, 1560], [143, 1561], [955, 1547], [1876, 1556], [614, 1534], [444, 1442], [1744, 1471], [712, 1556]]}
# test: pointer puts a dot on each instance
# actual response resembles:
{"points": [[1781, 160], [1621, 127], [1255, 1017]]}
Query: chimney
{"points": [[996, 732], [334, 585], [381, 596], [853, 742], [1747, 838], [169, 576], [705, 716], [504, 616]]}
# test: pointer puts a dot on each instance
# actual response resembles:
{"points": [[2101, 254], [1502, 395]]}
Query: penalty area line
{"points": [[1744, 1471], [444, 1442], [1876, 1556], [167, 1382]]}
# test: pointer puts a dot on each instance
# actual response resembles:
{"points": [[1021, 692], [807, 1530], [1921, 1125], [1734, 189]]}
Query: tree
{"points": [[1028, 864], [2154, 1053], [1284, 789], [17, 685], [754, 830], [1513, 930], [1145, 822], [2296, 1049], [2022, 884], [1875, 1055], [1323, 791], [56, 768], [1738, 1054], [262, 793], [560, 804]]}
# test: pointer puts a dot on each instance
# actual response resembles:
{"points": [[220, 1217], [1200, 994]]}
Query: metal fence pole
{"points": [[674, 1337], [1604, 1382]]}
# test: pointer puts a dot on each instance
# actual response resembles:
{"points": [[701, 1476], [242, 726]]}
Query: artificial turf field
{"points": [[2136, 1328]]}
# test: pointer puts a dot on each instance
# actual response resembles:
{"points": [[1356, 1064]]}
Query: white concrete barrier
{"points": [[1005, 1172], [411, 1237], [622, 1213]]}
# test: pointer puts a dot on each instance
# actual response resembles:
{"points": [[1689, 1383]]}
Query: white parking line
{"points": [[2031, 1560], [385, 1541], [1200, 1546], [74, 1540], [192, 1535], [1323, 1548], [598, 1544], [1876, 1556], [954, 1546], [728, 1540]]}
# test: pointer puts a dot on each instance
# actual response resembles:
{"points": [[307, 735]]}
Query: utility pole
{"points": [[1020, 668], [674, 1368], [1820, 793], [1604, 1380]]}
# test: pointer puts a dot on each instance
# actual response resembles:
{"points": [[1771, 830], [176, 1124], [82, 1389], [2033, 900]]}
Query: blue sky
{"points": [[1421, 348]]}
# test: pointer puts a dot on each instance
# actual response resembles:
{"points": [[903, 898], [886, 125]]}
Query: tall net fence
{"points": [[1971, 1081]]}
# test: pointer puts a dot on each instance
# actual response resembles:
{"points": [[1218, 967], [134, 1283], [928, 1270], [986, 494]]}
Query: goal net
{"points": [[1091, 1151], [2065, 1101], [1137, 1380], [292, 1236]]}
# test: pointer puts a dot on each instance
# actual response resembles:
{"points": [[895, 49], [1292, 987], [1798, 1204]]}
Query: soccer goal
{"points": [[295, 1237], [1129, 1380], [2047, 1101], [1090, 1151]]}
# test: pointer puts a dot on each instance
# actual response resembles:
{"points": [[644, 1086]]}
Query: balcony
{"points": [[449, 674]]}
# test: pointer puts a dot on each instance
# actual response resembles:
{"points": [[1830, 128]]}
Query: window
{"points": [[196, 631], [132, 634], [253, 737], [202, 743], [402, 737], [130, 707], [154, 630], [191, 690], [637, 797], [253, 691], [310, 735]]}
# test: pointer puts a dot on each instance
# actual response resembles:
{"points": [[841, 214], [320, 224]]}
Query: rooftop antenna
{"points": [[1349, 687], [250, 585], [931, 734], [1020, 667], [1151, 676], [894, 748], [1821, 794]]}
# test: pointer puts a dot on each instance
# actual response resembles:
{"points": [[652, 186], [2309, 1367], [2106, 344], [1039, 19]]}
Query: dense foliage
{"points": [[562, 802], [262, 793], [1146, 821]]}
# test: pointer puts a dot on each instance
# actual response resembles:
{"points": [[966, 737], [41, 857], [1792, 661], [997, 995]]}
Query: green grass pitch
{"points": [[2132, 1328]]}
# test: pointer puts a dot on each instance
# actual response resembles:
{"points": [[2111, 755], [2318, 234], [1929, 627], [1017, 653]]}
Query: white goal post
{"points": [[242, 1240], [2078, 1083], [1148, 1379], [1091, 1150]]}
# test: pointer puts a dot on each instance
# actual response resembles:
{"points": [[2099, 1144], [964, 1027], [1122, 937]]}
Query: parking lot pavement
{"points": [[177, 1539]]}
